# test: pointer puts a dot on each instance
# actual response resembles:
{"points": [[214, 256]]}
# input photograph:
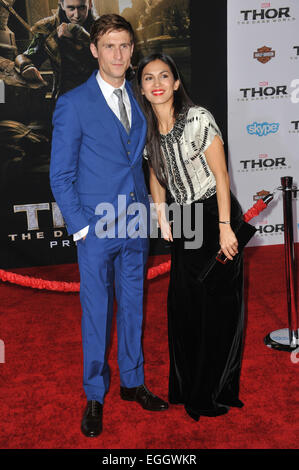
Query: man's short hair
{"points": [[107, 23]]}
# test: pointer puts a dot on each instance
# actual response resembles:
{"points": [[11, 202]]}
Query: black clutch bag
{"points": [[215, 266]]}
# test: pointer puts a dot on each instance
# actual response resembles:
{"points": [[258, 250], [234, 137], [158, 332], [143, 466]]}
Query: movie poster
{"points": [[40, 59]]}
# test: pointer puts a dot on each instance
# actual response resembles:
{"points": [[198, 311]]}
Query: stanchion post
{"points": [[287, 187], [287, 339]]}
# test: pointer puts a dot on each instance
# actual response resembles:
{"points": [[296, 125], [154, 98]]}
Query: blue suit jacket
{"points": [[93, 159]]}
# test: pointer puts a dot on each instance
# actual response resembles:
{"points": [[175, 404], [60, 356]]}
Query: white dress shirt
{"points": [[112, 101], [111, 98]]}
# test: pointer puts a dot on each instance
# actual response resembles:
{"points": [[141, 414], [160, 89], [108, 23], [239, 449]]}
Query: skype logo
{"points": [[262, 129]]}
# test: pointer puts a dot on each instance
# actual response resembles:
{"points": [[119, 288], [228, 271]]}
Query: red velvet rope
{"points": [[258, 207], [163, 268], [36, 283]]}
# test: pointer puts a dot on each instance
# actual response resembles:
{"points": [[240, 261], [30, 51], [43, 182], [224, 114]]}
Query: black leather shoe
{"points": [[91, 425], [144, 397]]}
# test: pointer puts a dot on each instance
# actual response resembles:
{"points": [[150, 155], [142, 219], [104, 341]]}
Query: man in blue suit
{"points": [[97, 180]]}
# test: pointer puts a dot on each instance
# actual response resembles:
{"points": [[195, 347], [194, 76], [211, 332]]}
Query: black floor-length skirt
{"points": [[205, 322]]}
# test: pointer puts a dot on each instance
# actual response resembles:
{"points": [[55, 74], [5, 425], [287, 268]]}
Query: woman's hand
{"points": [[165, 229], [228, 241], [158, 194]]}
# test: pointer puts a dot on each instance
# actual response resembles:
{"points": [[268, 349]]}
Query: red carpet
{"points": [[42, 398]]}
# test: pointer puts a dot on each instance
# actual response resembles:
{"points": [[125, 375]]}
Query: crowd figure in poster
{"points": [[63, 39], [172, 15]]}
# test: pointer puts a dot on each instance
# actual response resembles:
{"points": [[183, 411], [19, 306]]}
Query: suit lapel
{"points": [[111, 123], [106, 116], [137, 114]]}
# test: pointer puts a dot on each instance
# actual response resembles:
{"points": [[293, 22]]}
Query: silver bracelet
{"points": [[224, 222]]}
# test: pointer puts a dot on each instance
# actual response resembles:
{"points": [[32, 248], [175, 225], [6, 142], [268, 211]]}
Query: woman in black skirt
{"points": [[205, 318]]}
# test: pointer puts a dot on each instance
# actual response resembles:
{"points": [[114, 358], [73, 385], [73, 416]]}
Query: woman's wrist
{"points": [[224, 227]]}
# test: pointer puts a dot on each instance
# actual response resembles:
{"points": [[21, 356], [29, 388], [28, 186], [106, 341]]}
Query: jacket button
{"points": [[129, 142], [132, 194]]}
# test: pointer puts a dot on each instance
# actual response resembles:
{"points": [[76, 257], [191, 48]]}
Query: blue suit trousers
{"points": [[103, 264]]}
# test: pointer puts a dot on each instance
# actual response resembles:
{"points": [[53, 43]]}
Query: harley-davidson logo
{"points": [[260, 195], [264, 54]]}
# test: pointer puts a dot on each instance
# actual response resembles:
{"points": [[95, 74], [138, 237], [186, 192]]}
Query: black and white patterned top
{"points": [[188, 173]]}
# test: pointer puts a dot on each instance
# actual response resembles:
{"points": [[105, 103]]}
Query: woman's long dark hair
{"points": [[181, 102]]}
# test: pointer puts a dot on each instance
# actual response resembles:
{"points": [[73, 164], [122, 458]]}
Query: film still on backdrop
{"points": [[39, 61]]}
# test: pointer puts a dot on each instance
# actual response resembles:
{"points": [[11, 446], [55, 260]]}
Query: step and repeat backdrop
{"points": [[263, 107]]}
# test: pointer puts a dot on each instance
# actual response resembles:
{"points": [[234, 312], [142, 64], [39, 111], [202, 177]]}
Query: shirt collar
{"points": [[106, 88]]}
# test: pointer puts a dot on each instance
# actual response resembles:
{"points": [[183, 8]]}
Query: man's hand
{"points": [[63, 31], [32, 74]]}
